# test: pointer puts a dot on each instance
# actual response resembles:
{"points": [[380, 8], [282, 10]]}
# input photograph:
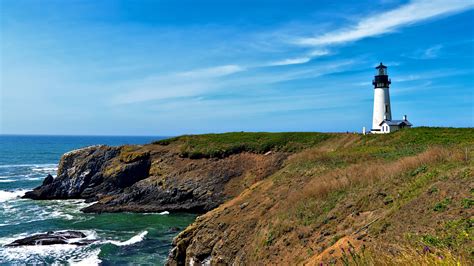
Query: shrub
{"points": [[442, 206], [467, 203]]}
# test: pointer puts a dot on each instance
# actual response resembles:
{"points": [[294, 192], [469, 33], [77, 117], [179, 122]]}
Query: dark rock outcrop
{"points": [[53, 238], [153, 178], [85, 173], [189, 185], [48, 180]]}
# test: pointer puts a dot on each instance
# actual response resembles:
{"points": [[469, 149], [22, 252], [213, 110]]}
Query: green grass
{"points": [[456, 235], [392, 146], [222, 145], [424, 136], [467, 203], [314, 211]]}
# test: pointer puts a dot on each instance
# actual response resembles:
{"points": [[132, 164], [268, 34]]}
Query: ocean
{"points": [[123, 238]]}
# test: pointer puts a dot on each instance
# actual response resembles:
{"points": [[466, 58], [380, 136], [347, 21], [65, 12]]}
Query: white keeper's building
{"points": [[382, 117]]}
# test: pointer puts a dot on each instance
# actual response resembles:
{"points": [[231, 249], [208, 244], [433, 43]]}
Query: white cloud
{"points": [[175, 85], [428, 53], [159, 89], [442, 73], [203, 81], [300, 60], [319, 52], [290, 61], [433, 52], [305, 72], [389, 21], [211, 72]]}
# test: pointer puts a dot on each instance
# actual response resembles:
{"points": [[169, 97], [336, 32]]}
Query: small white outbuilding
{"points": [[388, 126]]}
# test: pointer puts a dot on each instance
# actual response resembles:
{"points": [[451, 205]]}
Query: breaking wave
{"points": [[135, 239], [34, 166], [9, 195], [7, 180]]}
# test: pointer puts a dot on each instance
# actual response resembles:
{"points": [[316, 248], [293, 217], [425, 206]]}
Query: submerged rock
{"points": [[53, 238]]}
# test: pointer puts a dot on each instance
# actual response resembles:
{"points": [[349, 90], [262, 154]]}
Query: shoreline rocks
{"points": [[78, 170], [53, 238]]}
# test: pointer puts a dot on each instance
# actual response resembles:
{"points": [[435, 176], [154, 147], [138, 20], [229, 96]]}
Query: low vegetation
{"points": [[130, 154], [223, 145]]}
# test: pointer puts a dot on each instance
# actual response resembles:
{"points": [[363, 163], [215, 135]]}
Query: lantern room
{"points": [[381, 79], [381, 70]]}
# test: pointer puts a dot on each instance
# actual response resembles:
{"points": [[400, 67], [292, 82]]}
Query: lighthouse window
{"points": [[387, 108]]}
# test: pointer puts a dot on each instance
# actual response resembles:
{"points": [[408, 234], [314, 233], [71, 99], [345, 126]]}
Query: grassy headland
{"points": [[400, 198], [222, 145]]}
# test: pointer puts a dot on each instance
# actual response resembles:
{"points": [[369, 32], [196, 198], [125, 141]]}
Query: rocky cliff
{"points": [[154, 178]]}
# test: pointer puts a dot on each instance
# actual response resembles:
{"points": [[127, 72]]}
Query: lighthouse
{"points": [[382, 115], [382, 108]]}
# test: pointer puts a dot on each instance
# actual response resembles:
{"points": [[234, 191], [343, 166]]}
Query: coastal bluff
{"points": [[290, 198], [169, 175]]}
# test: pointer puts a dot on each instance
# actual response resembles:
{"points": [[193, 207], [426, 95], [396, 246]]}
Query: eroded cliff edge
{"points": [[171, 175]]}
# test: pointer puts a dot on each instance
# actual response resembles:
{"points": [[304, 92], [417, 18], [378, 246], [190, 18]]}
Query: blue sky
{"points": [[175, 67]]}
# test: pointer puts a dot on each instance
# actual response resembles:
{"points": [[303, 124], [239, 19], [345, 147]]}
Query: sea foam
{"points": [[135, 239], [7, 180], [38, 166], [9, 195]]}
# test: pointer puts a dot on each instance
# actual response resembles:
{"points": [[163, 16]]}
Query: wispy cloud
{"points": [[433, 51], [433, 75], [305, 72], [388, 21], [300, 60], [428, 53], [203, 81], [159, 89], [212, 72], [174, 85], [319, 52], [290, 61]]}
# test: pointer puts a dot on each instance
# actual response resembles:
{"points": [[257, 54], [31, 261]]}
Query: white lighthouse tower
{"points": [[382, 109], [382, 117]]}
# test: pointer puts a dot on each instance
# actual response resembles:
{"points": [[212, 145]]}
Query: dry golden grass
{"points": [[369, 172], [410, 256], [351, 253]]}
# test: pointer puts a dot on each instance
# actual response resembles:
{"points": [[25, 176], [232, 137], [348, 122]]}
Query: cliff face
{"points": [[80, 175], [153, 178]]}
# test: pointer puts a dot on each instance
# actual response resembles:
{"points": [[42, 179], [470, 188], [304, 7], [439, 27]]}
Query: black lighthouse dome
{"points": [[381, 79]]}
